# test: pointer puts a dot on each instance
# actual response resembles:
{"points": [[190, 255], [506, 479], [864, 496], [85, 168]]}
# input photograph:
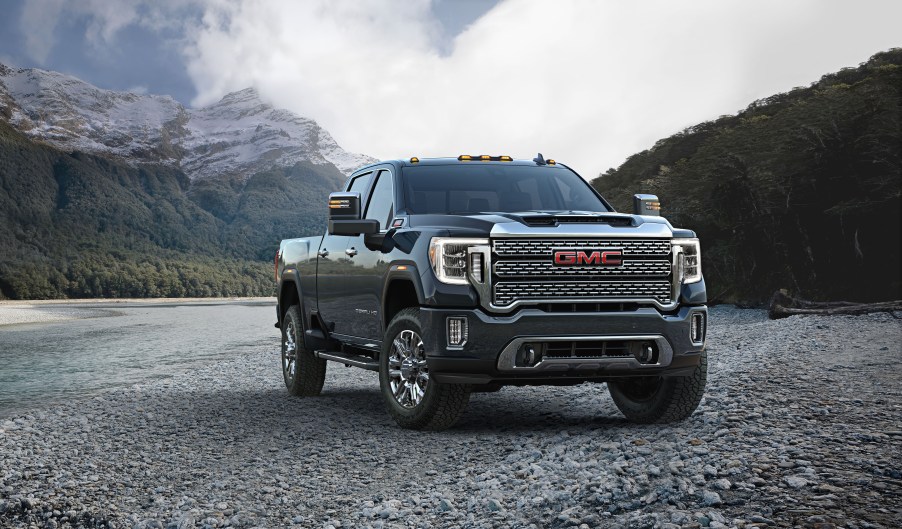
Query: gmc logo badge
{"points": [[588, 257]]}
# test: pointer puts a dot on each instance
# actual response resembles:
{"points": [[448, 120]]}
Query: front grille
{"points": [[587, 349], [508, 292], [523, 270], [544, 247], [635, 267]]}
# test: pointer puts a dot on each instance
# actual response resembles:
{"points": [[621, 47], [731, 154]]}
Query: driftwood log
{"points": [[783, 305]]}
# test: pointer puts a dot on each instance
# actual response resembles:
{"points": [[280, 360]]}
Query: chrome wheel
{"points": [[289, 353], [407, 372]]}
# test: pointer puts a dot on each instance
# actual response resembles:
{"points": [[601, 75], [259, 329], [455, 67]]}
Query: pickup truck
{"points": [[453, 275]]}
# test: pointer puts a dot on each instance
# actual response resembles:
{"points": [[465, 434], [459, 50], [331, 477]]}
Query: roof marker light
{"points": [[414, 159], [506, 159], [550, 161], [464, 157], [485, 157]]}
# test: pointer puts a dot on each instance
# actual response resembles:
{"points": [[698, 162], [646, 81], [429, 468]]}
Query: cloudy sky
{"points": [[587, 82]]}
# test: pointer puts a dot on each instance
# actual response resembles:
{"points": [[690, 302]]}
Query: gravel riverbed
{"points": [[801, 426]]}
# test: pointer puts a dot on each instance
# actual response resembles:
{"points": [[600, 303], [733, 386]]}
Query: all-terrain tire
{"points": [[441, 405], [307, 376], [649, 400]]}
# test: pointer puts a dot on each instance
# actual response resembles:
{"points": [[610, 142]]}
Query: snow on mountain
{"points": [[241, 134]]}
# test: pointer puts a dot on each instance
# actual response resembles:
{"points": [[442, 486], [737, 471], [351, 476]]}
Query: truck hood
{"points": [[551, 224]]}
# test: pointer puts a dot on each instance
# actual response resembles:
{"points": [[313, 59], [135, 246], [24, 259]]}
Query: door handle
{"points": [[351, 251], [323, 253]]}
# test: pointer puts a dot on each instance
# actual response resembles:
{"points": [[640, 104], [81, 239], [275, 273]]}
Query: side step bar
{"points": [[364, 362]]}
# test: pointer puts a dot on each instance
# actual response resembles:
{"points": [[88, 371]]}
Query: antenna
{"points": [[539, 159]]}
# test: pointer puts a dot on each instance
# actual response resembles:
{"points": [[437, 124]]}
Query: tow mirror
{"points": [[646, 205], [344, 216]]}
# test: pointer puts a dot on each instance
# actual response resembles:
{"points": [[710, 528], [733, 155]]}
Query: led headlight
{"points": [[448, 256], [690, 260]]}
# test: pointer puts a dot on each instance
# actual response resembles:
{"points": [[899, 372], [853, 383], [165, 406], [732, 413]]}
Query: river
{"points": [[123, 344]]}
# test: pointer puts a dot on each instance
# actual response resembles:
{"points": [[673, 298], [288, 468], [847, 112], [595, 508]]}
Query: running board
{"points": [[364, 362]]}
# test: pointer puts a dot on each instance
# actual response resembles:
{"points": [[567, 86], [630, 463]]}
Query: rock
{"points": [[722, 484], [795, 482], [709, 497]]}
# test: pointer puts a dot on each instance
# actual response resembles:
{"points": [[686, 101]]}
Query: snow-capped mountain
{"points": [[239, 135]]}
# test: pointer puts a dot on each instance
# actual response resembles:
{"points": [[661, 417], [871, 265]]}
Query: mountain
{"points": [[239, 135], [111, 194], [801, 190]]}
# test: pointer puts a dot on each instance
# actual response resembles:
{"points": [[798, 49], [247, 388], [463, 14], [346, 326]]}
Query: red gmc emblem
{"points": [[588, 257]]}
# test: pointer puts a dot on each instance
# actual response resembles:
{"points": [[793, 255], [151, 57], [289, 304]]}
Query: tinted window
{"points": [[381, 202], [359, 184], [464, 189]]}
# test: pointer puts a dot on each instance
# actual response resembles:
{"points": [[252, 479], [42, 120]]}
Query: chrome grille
{"points": [[543, 247], [634, 267], [523, 270], [508, 292]]}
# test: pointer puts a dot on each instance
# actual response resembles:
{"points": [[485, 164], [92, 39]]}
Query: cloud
{"points": [[583, 81], [103, 20], [586, 82], [38, 22]]}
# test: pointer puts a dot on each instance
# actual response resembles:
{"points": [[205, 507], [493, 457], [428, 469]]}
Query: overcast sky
{"points": [[587, 82]]}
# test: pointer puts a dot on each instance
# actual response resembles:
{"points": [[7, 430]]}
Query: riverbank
{"points": [[800, 426], [14, 312]]}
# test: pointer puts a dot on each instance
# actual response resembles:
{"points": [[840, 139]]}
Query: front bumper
{"points": [[485, 357]]}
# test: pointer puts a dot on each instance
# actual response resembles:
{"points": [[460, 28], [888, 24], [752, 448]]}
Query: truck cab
{"points": [[454, 275]]}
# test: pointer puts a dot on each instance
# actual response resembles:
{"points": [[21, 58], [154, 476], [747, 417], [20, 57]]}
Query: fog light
{"points": [[457, 331], [697, 328]]}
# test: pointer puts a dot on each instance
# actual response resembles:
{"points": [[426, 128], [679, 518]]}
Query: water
{"points": [[40, 363]]}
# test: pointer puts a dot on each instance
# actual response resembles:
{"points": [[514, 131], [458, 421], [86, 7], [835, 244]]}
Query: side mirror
{"points": [[646, 205], [344, 216]]}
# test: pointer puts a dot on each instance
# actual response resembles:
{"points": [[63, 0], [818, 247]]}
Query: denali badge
{"points": [[588, 257]]}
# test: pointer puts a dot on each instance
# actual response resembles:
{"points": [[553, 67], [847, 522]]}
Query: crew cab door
{"points": [[370, 266], [335, 285]]}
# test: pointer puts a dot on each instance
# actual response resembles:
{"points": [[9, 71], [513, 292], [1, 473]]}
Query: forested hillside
{"points": [[80, 225], [800, 190]]}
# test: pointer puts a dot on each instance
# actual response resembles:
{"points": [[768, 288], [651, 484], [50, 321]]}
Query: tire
{"points": [[304, 373], [649, 400], [421, 404]]}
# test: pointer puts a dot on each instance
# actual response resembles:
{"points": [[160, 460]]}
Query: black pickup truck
{"points": [[454, 275]]}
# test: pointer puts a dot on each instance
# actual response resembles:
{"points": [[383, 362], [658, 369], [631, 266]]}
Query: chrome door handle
{"points": [[323, 253], [351, 251]]}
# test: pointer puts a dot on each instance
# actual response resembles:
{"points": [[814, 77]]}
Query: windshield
{"points": [[478, 188]]}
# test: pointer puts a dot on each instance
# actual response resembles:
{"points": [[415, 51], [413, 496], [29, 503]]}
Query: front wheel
{"points": [[412, 398], [304, 373], [648, 400]]}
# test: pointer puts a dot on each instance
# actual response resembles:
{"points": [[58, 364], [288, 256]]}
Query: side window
{"points": [[359, 184], [381, 204]]}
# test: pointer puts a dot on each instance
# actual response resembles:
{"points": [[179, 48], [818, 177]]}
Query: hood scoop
{"points": [[558, 219]]}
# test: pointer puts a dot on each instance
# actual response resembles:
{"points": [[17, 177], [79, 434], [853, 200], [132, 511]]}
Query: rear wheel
{"points": [[304, 373], [412, 398], [649, 400]]}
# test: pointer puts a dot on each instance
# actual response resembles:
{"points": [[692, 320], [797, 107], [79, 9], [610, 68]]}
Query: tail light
{"points": [[276, 269]]}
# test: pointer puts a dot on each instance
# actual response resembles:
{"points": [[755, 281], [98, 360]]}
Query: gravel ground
{"points": [[800, 426]]}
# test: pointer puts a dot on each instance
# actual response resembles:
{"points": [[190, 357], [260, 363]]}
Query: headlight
{"points": [[690, 263], [448, 256]]}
